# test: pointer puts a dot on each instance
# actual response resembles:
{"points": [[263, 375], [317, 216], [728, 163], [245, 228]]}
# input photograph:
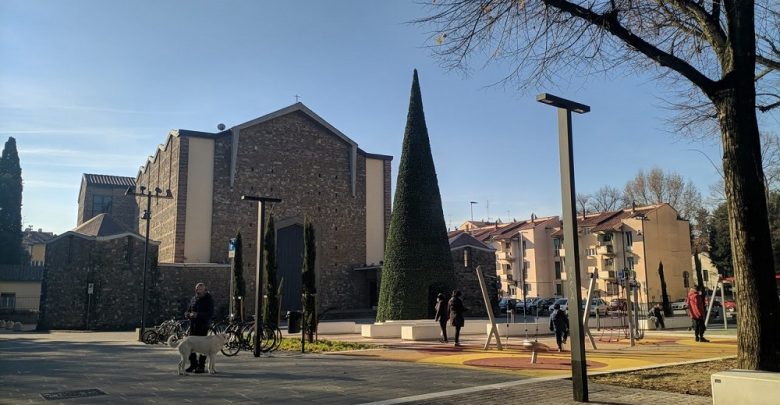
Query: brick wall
{"points": [[123, 208], [163, 171], [296, 159]]}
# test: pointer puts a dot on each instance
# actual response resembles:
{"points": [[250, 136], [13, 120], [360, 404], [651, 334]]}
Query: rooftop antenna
{"points": [[221, 126], [297, 97]]}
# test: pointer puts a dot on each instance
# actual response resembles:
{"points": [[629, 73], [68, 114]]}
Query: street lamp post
{"points": [[158, 193], [572, 262], [258, 327]]}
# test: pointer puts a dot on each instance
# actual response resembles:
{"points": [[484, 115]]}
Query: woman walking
{"points": [[442, 316], [456, 310]]}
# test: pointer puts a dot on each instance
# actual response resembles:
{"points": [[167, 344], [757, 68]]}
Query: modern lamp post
{"points": [[258, 327], [572, 261], [144, 192]]}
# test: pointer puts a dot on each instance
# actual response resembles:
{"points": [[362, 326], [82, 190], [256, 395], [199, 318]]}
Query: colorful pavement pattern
{"points": [[515, 359]]}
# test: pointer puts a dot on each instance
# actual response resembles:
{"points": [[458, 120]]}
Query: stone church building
{"points": [[292, 154]]}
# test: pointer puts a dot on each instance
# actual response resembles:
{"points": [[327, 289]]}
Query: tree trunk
{"points": [[758, 321], [752, 258]]}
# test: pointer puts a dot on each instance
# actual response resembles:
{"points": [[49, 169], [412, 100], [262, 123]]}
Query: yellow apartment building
{"points": [[632, 242], [635, 243]]}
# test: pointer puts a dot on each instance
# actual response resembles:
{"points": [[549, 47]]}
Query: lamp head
{"points": [[560, 102]]}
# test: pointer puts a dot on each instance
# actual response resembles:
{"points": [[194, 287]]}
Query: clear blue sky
{"points": [[95, 86]]}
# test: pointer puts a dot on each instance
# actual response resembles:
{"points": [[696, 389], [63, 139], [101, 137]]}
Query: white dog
{"points": [[206, 345]]}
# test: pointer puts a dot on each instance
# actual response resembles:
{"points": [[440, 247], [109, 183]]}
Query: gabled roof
{"points": [[101, 227], [30, 238], [108, 180], [463, 239], [297, 107], [610, 220]]}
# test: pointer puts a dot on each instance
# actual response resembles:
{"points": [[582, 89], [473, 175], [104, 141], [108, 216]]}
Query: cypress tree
{"points": [[239, 286], [271, 307], [417, 255], [664, 295], [10, 205], [309, 280]]}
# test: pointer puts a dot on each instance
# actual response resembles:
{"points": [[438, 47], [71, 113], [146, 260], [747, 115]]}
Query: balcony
{"points": [[561, 252], [607, 275], [607, 250], [505, 255], [604, 243]]}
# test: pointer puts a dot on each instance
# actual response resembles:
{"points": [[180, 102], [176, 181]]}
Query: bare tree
{"points": [[583, 203], [770, 160], [716, 51], [607, 198], [657, 187]]}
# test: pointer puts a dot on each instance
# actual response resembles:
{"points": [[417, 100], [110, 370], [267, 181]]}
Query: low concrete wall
{"points": [[431, 331], [745, 387], [338, 328]]}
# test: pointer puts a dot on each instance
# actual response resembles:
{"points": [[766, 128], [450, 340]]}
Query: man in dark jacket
{"points": [[200, 312], [559, 323]]}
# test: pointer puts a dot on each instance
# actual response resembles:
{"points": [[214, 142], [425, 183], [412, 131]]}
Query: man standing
{"points": [[200, 312], [697, 313]]}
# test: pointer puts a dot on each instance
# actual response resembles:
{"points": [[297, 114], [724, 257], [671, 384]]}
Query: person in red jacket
{"points": [[697, 312]]}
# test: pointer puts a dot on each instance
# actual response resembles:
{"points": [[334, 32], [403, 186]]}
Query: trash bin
{"points": [[294, 321]]}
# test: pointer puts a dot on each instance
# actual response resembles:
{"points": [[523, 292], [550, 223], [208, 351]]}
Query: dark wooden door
{"points": [[290, 259]]}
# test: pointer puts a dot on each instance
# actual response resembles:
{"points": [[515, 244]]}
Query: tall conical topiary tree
{"points": [[10, 205], [417, 255], [271, 307], [665, 303], [309, 279]]}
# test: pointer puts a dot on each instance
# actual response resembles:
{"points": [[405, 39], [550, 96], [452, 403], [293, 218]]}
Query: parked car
{"points": [[506, 303], [528, 305], [597, 305], [618, 304], [563, 302], [680, 304], [544, 305]]}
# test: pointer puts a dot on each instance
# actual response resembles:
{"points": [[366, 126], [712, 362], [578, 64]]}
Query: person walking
{"points": [[559, 323], [696, 311], [199, 312], [455, 308], [658, 313], [442, 316]]}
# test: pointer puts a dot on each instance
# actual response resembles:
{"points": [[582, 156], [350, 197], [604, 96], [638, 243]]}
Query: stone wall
{"points": [[467, 282], [115, 269], [176, 286]]}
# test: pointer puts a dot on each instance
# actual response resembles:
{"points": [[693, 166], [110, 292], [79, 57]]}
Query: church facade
{"points": [[291, 154]]}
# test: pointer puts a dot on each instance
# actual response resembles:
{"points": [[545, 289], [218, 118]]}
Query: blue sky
{"points": [[95, 86]]}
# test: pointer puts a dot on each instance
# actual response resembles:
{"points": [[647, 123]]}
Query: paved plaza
{"points": [[127, 371]]}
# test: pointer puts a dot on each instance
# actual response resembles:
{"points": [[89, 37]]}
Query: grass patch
{"points": [[691, 379], [319, 346]]}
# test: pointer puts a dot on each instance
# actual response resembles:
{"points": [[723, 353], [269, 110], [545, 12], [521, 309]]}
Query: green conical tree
{"points": [[271, 307], [417, 255], [10, 205], [309, 280], [239, 285]]}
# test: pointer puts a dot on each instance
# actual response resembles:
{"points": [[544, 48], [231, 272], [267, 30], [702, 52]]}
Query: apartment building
{"points": [[525, 255], [634, 242], [637, 243]]}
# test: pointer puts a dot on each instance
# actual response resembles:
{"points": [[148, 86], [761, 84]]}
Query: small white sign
{"points": [[90, 288]]}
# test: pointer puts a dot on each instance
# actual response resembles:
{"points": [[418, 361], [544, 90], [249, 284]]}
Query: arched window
{"points": [[686, 280]]}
